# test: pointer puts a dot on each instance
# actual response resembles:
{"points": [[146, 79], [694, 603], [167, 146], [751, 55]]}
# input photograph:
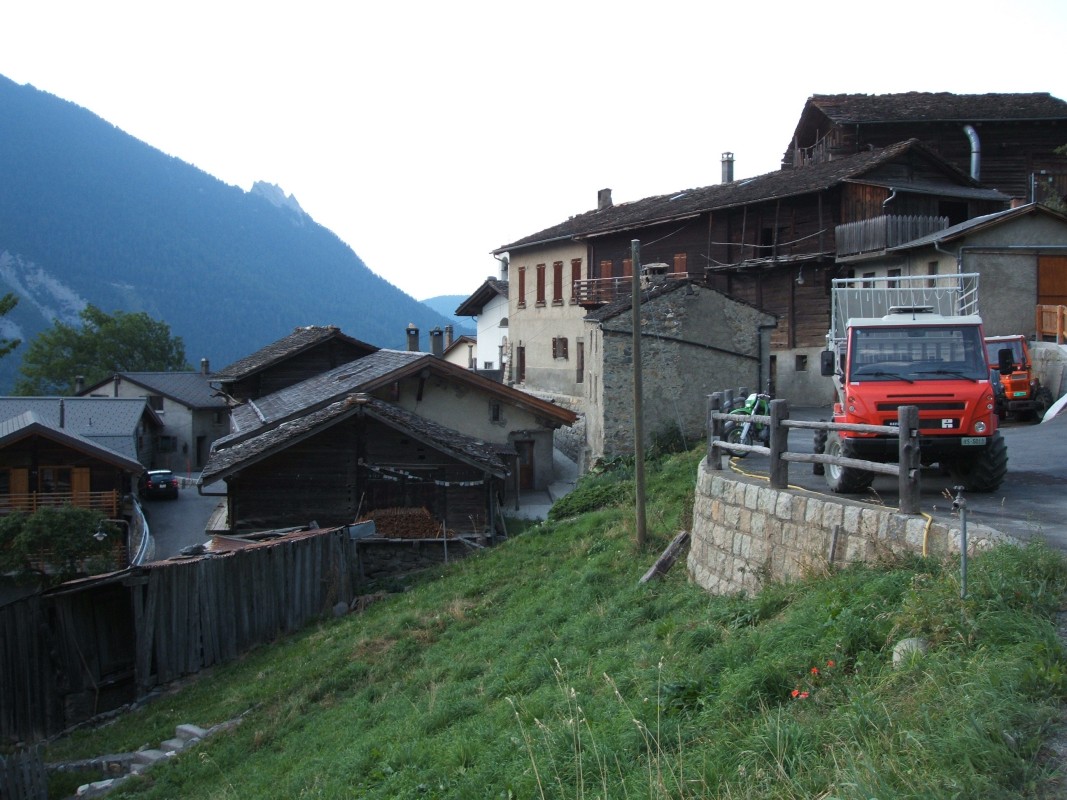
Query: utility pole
{"points": [[639, 406]]}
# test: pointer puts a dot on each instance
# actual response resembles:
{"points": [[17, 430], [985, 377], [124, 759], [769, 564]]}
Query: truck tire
{"points": [[844, 480], [819, 447], [985, 472]]}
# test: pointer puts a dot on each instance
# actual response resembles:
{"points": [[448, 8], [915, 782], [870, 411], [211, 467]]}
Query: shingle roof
{"points": [[111, 422], [491, 289], [299, 340], [29, 423], [475, 452], [938, 107], [192, 389], [770, 186]]}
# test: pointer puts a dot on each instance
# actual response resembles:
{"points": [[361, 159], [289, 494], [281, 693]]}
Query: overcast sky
{"points": [[427, 134]]}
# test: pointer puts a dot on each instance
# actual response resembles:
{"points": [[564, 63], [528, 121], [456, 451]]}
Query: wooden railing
{"points": [[1052, 323], [907, 468], [107, 502], [599, 291], [889, 230]]}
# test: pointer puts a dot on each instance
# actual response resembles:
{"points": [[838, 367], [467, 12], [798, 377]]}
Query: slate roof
{"points": [[298, 341], [29, 423], [469, 450], [110, 422], [364, 375], [191, 388], [491, 289], [783, 183], [851, 109]]}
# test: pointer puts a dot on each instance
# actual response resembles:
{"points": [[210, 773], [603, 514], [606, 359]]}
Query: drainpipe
{"points": [[976, 150]]}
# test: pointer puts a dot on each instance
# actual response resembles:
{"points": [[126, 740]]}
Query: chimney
{"points": [[727, 167], [115, 381], [449, 336], [603, 199], [437, 343], [62, 413], [204, 367], [79, 384], [413, 338]]}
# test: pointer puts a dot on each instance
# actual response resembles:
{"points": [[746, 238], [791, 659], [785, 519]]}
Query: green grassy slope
{"points": [[542, 668]]}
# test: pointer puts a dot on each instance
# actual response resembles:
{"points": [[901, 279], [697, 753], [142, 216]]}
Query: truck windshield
{"points": [[916, 353]]}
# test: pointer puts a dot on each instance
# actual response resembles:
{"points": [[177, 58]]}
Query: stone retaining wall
{"points": [[746, 534]]}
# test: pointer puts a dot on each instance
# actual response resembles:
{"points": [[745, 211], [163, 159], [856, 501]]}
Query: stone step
{"points": [[188, 732]]}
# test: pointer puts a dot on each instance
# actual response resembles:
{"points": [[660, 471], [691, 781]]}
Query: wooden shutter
{"points": [[540, 284], [522, 287], [576, 277], [557, 282]]}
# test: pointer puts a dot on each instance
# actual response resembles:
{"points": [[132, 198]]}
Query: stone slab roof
{"points": [[298, 341], [850, 109], [191, 388], [780, 184], [475, 452]]}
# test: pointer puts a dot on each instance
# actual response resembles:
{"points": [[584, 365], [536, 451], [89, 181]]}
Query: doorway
{"points": [[525, 450]]}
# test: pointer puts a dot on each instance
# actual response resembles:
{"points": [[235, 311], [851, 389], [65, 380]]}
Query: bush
{"points": [[54, 544]]}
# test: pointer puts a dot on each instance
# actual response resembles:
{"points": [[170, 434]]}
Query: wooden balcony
{"points": [[878, 234], [107, 502], [596, 292]]}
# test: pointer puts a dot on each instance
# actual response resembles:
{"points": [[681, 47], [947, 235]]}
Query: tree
{"points": [[103, 345], [8, 302]]}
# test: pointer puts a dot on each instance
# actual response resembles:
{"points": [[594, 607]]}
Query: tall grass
{"points": [[542, 669]]}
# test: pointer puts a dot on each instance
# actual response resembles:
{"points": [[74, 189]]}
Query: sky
{"points": [[428, 134]]}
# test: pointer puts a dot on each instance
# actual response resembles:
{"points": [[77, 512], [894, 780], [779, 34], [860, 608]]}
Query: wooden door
{"points": [[1052, 280], [525, 449]]}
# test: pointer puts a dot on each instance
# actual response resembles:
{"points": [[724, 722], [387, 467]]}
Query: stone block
{"points": [[174, 745], [783, 508], [833, 514], [813, 511], [851, 521], [149, 756]]}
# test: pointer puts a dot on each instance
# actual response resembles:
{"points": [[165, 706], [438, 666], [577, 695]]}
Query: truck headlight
{"points": [[979, 427]]}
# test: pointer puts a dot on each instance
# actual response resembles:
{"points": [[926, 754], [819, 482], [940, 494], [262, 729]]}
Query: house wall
{"points": [[353, 467], [34, 452], [493, 324], [694, 342], [532, 326]]}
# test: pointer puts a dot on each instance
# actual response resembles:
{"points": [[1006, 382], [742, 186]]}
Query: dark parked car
{"points": [[158, 483]]}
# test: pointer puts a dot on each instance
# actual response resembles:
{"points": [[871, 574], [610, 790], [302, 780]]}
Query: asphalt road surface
{"points": [[175, 524], [1031, 502]]}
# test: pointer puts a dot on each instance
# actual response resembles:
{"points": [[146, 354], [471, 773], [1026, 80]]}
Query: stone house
{"points": [[194, 414], [694, 341]]}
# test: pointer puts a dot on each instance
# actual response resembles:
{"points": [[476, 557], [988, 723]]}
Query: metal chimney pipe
{"points": [[727, 167], [976, 150], [204, 367]]}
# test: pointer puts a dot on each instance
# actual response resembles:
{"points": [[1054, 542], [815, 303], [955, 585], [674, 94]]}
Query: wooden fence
{"points": [[907, 468], [90, 646], [23, 776]]}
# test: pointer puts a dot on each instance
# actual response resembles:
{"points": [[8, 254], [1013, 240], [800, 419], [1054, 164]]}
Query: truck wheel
{"points": [[819, 447], [1044, 402], [847, 480], [984, 472]]}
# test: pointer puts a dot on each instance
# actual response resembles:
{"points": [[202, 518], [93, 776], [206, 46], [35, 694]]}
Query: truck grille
{"points": [[938, 406]]}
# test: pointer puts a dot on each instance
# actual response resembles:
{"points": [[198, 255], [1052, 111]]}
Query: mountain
{"points": [[446, 305], [89, 214]]}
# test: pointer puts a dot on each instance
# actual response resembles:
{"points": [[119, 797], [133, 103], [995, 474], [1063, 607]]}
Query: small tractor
{"points": [[1024, 398], [912, 341]]}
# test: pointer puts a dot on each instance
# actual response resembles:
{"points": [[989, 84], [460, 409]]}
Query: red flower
{"points": [[829, 663], [814, 670]]}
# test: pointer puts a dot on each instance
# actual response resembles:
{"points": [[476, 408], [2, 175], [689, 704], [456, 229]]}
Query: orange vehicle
{"points": [[912, 341], [1024, 397]]}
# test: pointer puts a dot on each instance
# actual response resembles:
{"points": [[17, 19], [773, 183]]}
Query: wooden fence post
{"points": [[779, 443], [714, 459], [908, 439]]}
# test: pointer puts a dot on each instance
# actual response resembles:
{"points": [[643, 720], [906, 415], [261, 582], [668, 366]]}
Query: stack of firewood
{"points": [[405, 523]]}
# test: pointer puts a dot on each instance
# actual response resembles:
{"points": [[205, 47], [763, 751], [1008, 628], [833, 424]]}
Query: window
{"points": [[801, 364], [167, 444], [893, 274], [53, 479], [579, 360], [576, 277], [559, 347], [520, 363], [487, 365], [931, 269], [522, 287], [495, 415], [540, 284], [155, 402], [557, 283]]}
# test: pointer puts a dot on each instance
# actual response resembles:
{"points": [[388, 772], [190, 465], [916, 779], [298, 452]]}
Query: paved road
{"points": [[1032, 501], [179, 523]]}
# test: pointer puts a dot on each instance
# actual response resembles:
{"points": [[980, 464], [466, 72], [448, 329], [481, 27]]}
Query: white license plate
{"points": [[973, 441]]}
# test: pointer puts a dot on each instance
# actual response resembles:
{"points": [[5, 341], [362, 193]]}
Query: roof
{"points": [[29, 423], [475, 452], [690, 203], [298, 341], [977, 224], [110, 422], [191, 388], [462, 341], [366, 375], [490, 290], [850, 109]]}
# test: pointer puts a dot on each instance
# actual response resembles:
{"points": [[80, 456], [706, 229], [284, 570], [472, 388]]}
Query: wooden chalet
{"points": [[1006, 141], [302, 354], [42, 465]]}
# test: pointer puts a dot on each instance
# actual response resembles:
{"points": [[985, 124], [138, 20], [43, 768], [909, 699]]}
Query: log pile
{"points": [[405, 523]]}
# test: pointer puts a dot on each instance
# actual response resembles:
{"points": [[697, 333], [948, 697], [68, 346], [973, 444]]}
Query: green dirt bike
{"points": [[751, 431]]}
